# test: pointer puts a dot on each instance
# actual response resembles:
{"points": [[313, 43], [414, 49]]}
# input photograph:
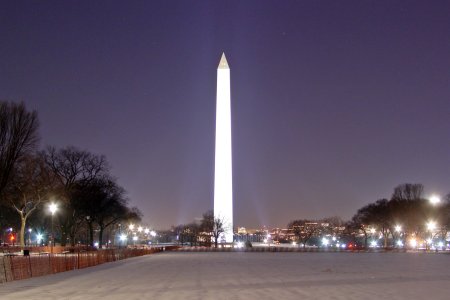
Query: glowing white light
{"points": [[153, 233], [131, 226], [325, 241], [398, 228], [135, 238], [240, 244], [96, 244], [223, 188], [140, 228], [265, 241], [429, 241], [399, 243], [431, 225], [413, 243], [441, 244], [146, 231], [53, 208], [372, 230], [373, 243], [334, 238], [294, 243], [343, 246], [123, 237], [39, 237], [30, 230], [434, 199]]}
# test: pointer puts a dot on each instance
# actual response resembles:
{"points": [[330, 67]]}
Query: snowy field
{"points": [[222, 275]]}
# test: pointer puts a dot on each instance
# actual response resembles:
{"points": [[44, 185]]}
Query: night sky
{"points": [[334, 103]]}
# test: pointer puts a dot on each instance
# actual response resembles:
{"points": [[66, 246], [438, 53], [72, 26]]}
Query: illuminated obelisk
{"points": [[223, 185]]}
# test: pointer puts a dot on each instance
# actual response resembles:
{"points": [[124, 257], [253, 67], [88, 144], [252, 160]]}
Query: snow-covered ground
{"points": [[239, 275]]}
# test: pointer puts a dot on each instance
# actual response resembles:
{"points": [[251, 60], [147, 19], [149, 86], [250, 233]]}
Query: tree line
{"points": [[406, 216], [80, 182]]}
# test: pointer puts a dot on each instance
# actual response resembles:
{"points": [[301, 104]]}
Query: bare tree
{"points": [[101, 202], [18, 136], [216, 226], [304, 230], [29, 187], [73, 167]]}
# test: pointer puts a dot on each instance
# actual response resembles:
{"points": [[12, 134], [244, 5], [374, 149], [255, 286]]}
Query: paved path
{"points": [[249, 276]]}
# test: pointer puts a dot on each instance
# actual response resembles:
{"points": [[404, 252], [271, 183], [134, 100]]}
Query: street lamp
{"points": [[29, 236], [39, 237], [435, 199], [123, 238], [53, 207], [431, 226]]}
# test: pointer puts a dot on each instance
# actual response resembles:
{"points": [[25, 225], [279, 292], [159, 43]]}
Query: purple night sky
{"points": [[334, 103]]}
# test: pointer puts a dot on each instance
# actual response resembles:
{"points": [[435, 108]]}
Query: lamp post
{"points": [[29, 236], [431, 226], [53, 207]]}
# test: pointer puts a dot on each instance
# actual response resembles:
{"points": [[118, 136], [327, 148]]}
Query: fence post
{"points": [[4, 269], [29, 262]]}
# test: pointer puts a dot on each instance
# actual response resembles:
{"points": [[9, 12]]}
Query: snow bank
{"points": [[242, 275]]}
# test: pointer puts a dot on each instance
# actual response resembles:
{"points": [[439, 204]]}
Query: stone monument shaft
{"points": [[223, 183]]}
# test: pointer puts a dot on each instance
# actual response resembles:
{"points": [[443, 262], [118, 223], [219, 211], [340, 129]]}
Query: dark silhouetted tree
{"points": [[18, 137]]}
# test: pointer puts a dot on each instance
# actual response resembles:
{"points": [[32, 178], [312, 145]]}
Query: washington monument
{"points": [[223, 184]]}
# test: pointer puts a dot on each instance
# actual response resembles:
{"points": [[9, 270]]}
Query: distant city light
{"points": [[431, 225], [146, 230], [429, 241], [372, 230], [135, 238], [441, 244], [325, 241], [240, 244], [131, 226], [400, 243], [294, 243], [96, 244], [53, 207], [343, 246], [140, 228], [123, 237], [413, 243], [373, 243], [153, 233], [334, 238], [398, 228]]}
